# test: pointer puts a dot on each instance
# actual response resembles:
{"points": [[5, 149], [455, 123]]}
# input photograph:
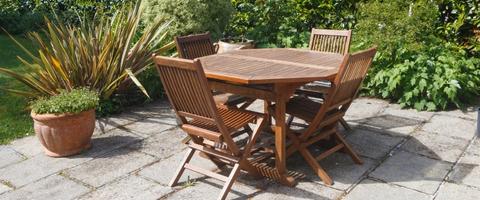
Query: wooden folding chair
{"points": [[322, 118], [212, 128], [329, 41], [199, 45]]}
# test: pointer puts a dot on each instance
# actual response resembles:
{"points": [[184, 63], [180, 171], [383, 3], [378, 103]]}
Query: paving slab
{"points": [[467, 171], [52, 188], [110, 141], [372, 144], [451, 191], [152, 109], [363, 108], [36, 168], [436, 146], [341, 168], [9, 156], [373, 190], [106, 124], [210, 189], [27, 146], [151, 126], [413, 171], [163, 145], [475, 147], [131, 187], [391, 124], [396, 110], [303, 190], [257, 106], [113, 165], [164, 170], [4, 188], [451, 126], [469, 113]]}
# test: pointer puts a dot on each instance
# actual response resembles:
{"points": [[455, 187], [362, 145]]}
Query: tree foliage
{"points": [[189, 16]]}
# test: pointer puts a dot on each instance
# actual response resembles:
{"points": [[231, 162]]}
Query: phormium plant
{"points": [[102, 55]]}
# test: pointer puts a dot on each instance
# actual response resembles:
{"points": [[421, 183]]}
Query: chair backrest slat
{"points": [[194, 46], [344, 88], [186, 86], [332, 41], [350, 77]]}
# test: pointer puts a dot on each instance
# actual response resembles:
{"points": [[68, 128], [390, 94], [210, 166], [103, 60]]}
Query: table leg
{"points": [[281, 136]]}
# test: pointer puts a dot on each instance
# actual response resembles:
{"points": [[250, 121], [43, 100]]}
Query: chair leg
{"points": [[251, 170], [348, 148], [231, 179], [322, 174], [345, 124], [289, 120], [248, 148], [266, 105], [181, 168], [248, 130]]}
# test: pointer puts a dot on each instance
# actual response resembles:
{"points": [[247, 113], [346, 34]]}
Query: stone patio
{"points": [[407, 155]]}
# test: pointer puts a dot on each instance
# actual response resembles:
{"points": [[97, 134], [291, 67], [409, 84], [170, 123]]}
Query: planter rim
{"points": [[50, 116], [245, 41]]}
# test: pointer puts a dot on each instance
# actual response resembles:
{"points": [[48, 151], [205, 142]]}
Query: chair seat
{"points": [[228, 99], [303, 108], [315, 89], [234, 120]]}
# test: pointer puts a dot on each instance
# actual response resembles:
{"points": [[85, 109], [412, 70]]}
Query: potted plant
{"points": [[232, 43], [64, 123]]}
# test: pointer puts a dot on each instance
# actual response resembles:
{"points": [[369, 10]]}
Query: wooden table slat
{"points": [[268, 66]]}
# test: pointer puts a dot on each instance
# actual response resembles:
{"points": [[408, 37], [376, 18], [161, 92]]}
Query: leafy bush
{"points": [[288, 23], [395, 25], [99, 55], [414, 66], [460, 23], [18, 16], [189, 16], [75, 101], [439, 77]]}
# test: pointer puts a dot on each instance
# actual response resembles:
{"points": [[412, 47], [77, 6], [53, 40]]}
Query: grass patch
{"points": [[15, 121]]}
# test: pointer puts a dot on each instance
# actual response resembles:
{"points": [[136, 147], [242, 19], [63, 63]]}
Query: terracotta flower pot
{"points": [[226, 45], [65, 134]]}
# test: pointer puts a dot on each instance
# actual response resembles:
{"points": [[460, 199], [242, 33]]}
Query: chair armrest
{"points": [[216, 47]]}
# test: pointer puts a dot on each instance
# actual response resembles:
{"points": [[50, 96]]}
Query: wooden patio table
{"points": [[272, 75]]}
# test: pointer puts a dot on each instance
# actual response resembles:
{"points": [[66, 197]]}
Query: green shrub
{"points": [[414, 66], [16, 16], [189, 16], [460, 23], [395, 25], [19, 16], [437, 78], [75, 101], [288, 23]]}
